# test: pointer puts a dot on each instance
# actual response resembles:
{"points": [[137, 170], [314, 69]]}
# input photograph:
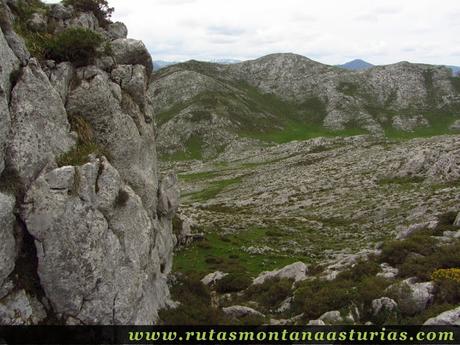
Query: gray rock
{"points": [[388, 272], [127, 51], [413, 297], [457, 220], [62, 12], [37, 22], [117, 30], [168, 196], [212, 278], [18, 46], [107, 270], [40, 130], [133, 80], [455, 126], [120, 128], [405, 232], [7, 241], [383, 305], [238, 311], [296, 271], [450, 317], [60, 78], [331, 317], [409, 123], [21, 309], [85, 20], [446, 168], [9, 64], [316, 323]]}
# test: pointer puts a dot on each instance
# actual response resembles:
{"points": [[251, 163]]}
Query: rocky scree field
{"points": [[342, 185]]}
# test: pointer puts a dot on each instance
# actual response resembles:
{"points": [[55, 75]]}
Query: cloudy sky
{"points": [[330, 31]]}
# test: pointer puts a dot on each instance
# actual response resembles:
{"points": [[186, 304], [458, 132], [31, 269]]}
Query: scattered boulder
{"points": [[331, 317], [212, 278], [450, 317], [296, 271], [316, 323], [384, 309], [239, 311], [457, 220], [388, 272], [412, 297]]}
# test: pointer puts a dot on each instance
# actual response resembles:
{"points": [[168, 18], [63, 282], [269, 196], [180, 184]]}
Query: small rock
{"points": [[212, 278], [332, 317], [238, 311], [388, 272], [21, 309], [413, 297]]}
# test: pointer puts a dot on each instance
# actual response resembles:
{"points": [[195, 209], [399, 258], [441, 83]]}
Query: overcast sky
{"points": [[330, 31]]}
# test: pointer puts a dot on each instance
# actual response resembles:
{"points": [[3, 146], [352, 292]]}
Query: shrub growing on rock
{"points": [[100, 8], [76, 45], [233, 282]]}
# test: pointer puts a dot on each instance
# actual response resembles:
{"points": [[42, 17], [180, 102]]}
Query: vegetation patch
{"points": [[76, 45], [100, 8]]}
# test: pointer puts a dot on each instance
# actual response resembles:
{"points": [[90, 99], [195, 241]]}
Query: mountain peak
{"points": [[356, 65]]}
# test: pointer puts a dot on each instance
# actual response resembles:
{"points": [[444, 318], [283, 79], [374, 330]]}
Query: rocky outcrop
{"points": [[39, 124], [450, 317], [413, 297], [296, 271], [85, 219]]}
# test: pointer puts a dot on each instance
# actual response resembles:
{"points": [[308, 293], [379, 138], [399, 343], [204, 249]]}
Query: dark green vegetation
{"points": [[76, 45], [100, 8]]}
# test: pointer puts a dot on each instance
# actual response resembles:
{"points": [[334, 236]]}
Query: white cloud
{"points": [[331, 31]]}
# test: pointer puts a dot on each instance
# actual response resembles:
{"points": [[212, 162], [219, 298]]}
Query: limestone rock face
{"points": [[7, 241], [40, 129], [120, 127], [9, 65], [85, 243], [104, 271], [127, 51]]}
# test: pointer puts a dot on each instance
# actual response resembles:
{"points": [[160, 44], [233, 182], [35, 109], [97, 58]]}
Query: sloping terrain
{"points": [[202, 108]]}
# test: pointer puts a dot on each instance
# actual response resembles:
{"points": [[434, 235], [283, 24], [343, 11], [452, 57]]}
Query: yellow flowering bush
{"points": [[446, 274]]}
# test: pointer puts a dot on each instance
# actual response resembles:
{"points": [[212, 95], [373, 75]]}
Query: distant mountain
{"points": [[356, 65], [455, 69], [202, 108], [159, 64], [225, 61]]}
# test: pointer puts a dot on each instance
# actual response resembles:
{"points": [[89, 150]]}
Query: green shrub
{"points": [[316, 297], [100, 9], [233, 282], [396, 252], [271, 293], [78, 155], [360, 271], [76, 45], [448, 291], [423, 266], [195, 305]]}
